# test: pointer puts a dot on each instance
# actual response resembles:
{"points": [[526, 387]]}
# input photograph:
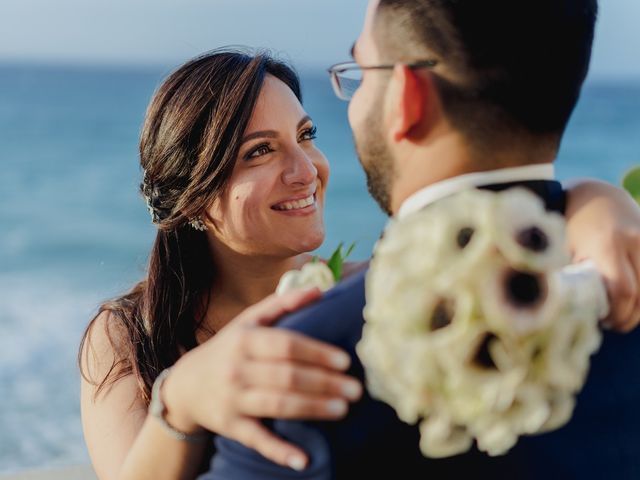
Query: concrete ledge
{"points": [[83, 472]]}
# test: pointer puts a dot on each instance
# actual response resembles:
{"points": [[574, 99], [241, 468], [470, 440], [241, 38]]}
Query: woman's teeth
{"points": [[296, 204]]}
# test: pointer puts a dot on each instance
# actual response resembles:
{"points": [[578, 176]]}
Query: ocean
{"points": [[74, 231]]}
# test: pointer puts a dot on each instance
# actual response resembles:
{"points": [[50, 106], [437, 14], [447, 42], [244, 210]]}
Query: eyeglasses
{"points": [[347, 77]]}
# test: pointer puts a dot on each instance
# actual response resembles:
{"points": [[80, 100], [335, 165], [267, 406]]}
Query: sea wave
{"points": [[40, 326]]}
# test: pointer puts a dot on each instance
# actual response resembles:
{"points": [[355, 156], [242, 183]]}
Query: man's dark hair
{"points": [[509, 68]]}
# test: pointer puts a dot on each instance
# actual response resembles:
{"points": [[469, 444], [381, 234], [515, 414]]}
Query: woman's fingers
{"points": [[289, 405], [274, 306], [277, 344], [620, 279], [299, 378], [254, 435], [633, 318]]}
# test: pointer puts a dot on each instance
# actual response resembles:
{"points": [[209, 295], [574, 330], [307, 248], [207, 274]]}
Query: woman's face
{"points": [[273, 202]]}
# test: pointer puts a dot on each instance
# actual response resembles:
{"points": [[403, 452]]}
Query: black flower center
{"points": [[442, 315], [464, 237], [533, 239], [483, 358], [524, 289], [536, 354]]}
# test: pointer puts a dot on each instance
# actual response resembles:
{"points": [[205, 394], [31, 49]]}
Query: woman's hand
{"points": [[249, 371], [604, 226]]}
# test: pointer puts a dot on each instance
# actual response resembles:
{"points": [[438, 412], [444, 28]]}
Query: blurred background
{"points": [[75, 79]]}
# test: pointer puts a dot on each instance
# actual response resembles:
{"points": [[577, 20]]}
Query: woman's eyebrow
{"points": [[273, 133], [306, 119], [261, 134]]}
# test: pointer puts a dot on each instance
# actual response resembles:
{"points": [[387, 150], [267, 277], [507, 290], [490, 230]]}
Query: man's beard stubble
{"points": [[375, 158]]}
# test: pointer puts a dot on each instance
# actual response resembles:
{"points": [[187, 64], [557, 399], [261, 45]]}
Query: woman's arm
{"points": [[121, 438], [247, 371], [604, 226]]}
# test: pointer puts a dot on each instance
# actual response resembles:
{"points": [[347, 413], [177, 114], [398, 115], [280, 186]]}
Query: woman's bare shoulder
{"points": [[103, 347]]}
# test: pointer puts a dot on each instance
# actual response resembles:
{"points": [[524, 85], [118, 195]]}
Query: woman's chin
{"points": [[307, 243]]}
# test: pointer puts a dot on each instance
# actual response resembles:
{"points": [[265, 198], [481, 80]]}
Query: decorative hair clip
{"points": [[197, 224], [151, 196], [147, 190], [152, 212]]}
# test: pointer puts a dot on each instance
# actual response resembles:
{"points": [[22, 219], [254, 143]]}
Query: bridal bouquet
{"points": [[475, 325]]}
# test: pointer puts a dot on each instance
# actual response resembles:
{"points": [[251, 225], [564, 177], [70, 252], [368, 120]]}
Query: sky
{"points": [[311, 33]]}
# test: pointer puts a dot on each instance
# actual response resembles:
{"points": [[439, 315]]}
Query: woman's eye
{"points": [[309, 134], [259, 151]]}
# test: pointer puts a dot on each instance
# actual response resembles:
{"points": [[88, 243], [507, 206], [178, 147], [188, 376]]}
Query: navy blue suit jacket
{"points": [[601, 441]]}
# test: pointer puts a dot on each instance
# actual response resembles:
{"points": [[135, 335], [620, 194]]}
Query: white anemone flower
{"points": [[497, 437], [398, 370], [462, 233], [531, 408], [440, 438], [518, 302], [455, 232], [563, 363], [483, 385], [497, 432], [562, 406], [527, 235]]}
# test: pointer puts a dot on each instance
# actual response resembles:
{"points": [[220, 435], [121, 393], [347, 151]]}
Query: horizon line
{"points": [[169, 65]]}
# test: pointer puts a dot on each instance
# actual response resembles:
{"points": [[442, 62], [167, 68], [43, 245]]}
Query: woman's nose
{"points": [[300, 169]]}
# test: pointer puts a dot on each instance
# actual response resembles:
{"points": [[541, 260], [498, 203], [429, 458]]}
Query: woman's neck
{"points": [[243, 280]]}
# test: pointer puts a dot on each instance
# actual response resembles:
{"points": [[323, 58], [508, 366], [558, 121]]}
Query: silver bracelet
{"points": [[158, 410]]}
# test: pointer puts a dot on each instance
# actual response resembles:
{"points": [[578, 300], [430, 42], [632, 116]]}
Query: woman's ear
{"points": [[213, 215]]}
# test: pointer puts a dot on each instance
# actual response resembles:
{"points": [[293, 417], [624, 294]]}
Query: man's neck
{"points": [[449, 158], [528, 174]]}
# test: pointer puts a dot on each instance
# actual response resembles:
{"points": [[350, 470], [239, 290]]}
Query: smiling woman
{"points": [[273, 201], [235, 185]]}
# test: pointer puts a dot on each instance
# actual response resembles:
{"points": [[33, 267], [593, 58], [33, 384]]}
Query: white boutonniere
{"points": [[475, 326], [316, 273]]}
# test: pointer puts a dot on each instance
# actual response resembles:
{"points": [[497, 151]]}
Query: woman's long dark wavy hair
{"points": [[188, 147]]}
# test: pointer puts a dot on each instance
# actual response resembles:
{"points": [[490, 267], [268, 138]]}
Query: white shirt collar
{"points": [[444, 188]]}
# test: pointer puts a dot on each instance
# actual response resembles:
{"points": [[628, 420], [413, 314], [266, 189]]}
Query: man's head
{"points": [[507, 77]]}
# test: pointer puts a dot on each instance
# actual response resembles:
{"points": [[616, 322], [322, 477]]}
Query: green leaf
{"points": [[349, 250], [337, 259], [631, 183], [335, 263]]}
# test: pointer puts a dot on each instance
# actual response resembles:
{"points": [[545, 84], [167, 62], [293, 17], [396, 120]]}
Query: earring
{"points": [[198, 224]]}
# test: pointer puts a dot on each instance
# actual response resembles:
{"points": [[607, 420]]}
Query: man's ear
{"points": [[410, 94]]}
